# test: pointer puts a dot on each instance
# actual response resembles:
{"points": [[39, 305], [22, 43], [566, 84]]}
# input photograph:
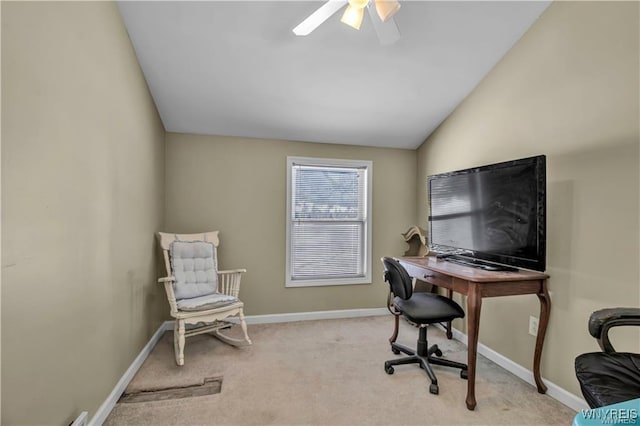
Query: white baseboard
{"points": [[304, 316], [317, 315], [81, 420], [554, 391], [112, 399]]}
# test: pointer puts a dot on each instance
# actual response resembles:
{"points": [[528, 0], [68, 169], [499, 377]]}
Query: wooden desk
{"points": [[475, 284]]}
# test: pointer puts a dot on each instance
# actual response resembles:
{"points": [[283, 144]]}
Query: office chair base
{"points": [[423, 356]]}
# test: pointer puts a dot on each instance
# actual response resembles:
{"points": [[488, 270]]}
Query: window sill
{"points": [[327, 282]]}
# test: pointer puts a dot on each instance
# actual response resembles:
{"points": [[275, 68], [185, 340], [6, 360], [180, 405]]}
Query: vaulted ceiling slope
{"points": [[235, 68]]}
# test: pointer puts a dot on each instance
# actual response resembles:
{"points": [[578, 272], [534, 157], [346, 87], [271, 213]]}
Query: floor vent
{"points": [[210, 386]]}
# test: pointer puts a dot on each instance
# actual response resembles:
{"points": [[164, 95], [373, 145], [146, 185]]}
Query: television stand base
{"points": [[475, 263]]}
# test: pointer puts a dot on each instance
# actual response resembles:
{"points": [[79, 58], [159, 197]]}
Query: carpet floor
{"points": [[328, 372]]}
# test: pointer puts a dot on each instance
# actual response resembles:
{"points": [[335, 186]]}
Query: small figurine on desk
{"points": [[415, 237]]}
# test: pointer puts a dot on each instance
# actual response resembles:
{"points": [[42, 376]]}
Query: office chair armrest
{"points": [[229, 281], [601, 321]]}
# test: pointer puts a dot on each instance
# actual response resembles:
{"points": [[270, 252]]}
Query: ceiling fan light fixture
{"points": [[353, 16], [358, 4], [386, 8]]}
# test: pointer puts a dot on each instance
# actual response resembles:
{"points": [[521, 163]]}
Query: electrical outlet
{"points": [[533, 326]]}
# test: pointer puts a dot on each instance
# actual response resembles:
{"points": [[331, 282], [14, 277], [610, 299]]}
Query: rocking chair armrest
{"points": [[229, 281], [232, 271], [171, 296]]}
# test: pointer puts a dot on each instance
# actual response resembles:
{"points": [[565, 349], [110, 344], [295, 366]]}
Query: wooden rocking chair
{"points": [[200, 296]]}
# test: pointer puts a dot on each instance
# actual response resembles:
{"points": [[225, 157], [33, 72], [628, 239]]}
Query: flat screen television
{"points": [[492, 217]]}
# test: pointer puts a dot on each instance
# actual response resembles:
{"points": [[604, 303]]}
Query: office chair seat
{"points": [[427, 308], [421, 309]]}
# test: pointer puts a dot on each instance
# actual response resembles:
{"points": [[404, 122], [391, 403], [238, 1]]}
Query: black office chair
{"points": [[421, 309], [609, 377]]}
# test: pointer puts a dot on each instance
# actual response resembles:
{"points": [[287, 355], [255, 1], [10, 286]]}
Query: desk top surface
{"points": [[470, 273]]}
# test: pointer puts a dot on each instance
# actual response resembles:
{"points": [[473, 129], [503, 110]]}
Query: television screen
{"points": [[494, 213]]}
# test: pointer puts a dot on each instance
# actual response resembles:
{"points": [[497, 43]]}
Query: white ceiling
{"points": [[234, 68]]}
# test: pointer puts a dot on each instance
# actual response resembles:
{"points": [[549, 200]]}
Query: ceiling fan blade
{"points": [[314, 20], [387, 32]]}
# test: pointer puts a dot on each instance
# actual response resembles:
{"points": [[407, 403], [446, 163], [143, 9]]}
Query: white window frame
{"points": [[329, 162]]}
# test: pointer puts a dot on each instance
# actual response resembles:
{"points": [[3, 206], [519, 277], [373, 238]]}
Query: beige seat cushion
{"points": [[210, 301]]}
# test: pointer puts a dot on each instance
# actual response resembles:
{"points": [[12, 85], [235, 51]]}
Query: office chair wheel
{"points": [[438, 352], [388, 369], [395, 351], [433, 388], [464, 374]]}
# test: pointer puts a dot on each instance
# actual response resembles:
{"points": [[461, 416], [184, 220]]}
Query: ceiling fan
{"points": [[382, 18]]}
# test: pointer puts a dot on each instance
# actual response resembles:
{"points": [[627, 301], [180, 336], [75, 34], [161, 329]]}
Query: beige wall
{"points": [[83, 191], [82, 195], [239, 186], [568, 89]]}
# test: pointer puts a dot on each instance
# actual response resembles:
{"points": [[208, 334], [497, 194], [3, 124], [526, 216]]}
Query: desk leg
{"points": [[474, 303], [545, 311], [449, 333]]}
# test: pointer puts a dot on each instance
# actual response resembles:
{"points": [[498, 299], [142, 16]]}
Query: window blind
{"points": [[328, 222]]}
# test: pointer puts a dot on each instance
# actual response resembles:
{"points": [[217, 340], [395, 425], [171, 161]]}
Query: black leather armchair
{"points": [[609, 377]]}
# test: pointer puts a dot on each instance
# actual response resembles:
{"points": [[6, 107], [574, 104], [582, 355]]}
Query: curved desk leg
{"points": [[474, 303], [545, 311]]}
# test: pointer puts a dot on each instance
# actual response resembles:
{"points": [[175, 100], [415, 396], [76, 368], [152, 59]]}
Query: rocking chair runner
{"points": [[200, 296]]}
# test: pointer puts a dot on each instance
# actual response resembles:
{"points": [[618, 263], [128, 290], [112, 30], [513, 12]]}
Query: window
{"points": [[328, 222]]}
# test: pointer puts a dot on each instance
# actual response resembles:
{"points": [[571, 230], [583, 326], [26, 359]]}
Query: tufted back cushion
{"points": [[194, 268]]}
